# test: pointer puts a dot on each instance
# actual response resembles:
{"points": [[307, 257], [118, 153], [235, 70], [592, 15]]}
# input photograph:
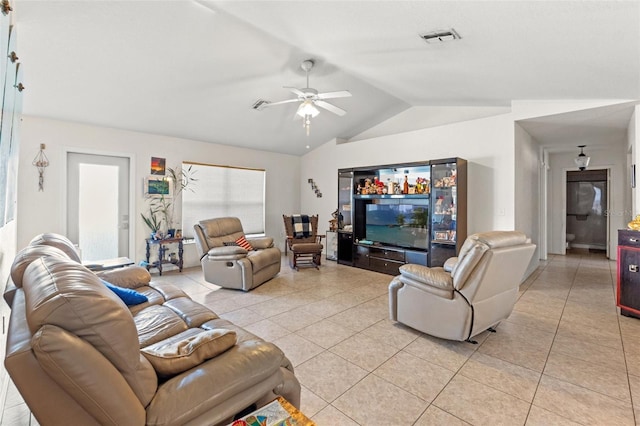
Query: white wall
{"points": [[43, 211], [613, 158], [7, 250], [633, 144], [487, 144], [527, 190]]}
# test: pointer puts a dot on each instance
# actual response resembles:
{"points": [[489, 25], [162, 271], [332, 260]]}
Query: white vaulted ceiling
{"points": [[193, 69]]}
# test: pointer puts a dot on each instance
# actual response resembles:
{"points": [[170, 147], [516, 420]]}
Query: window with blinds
{"points": [[223, 191]]}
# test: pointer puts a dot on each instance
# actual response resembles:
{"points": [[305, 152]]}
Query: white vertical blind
{"points": [[223, 191]]}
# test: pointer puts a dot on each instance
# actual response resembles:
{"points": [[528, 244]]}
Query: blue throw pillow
{"points": [[128, 296]]}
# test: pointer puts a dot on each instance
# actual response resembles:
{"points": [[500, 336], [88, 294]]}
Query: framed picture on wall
{"points": [[156, 186], [158, 166]]}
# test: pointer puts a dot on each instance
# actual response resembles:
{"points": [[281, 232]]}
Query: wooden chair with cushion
{"points": [[303, 242]]}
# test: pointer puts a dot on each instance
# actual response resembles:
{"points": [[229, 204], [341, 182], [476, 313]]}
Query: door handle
{"points": [[633, 268]]}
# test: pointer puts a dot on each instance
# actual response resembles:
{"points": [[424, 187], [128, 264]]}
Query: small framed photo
{"points": [[442, 235], [156, 186], [158, 166]]}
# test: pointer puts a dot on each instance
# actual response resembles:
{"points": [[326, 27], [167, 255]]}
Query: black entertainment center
{"points": [[401, 213]]}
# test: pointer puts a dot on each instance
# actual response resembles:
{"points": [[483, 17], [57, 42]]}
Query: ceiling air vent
{"points": [[440, 36], [260, 104]]}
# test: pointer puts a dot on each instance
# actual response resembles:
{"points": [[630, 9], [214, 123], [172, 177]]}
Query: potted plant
{"points": [[153, 222], [181, 179]]}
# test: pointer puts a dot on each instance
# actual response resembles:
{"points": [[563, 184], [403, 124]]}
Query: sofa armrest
{"points": [[450, 264], [86, 375], [433, 277], [261, 243], [129, 277], [10, 292], [227, 253]]}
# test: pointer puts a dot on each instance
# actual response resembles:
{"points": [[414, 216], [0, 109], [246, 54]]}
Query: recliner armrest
{"points": [[261, 243], [227, 253], [450, 263], [434, 277]]}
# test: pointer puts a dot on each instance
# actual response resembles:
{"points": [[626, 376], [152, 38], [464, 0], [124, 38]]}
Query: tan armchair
{"points": [[303, 240], [232, 266], [470, 294]]}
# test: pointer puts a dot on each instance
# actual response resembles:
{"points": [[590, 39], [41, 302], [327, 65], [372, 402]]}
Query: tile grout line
{"points": [[555, 334]]}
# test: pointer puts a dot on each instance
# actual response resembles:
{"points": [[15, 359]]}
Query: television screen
{"points": [[403, 225]]}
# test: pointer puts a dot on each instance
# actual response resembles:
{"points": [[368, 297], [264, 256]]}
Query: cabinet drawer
{"points": [[629, 278], [387, 254], [385, 266], [361, 257], [628, 238]]}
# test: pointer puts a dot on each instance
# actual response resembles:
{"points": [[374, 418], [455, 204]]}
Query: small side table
{"points": [[162, 249]]}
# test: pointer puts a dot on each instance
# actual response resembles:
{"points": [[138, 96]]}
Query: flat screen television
{"points": [[402, 225]]}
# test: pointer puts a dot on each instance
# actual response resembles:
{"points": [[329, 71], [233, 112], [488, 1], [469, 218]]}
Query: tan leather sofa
{"points": [[79, 356], [470, 294], [233, 266]]}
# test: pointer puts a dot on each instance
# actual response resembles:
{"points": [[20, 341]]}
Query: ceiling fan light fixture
{"points": [[307, 108], [582, 160]]}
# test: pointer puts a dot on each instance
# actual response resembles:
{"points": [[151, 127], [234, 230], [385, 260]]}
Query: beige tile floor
{"points": [[564, 356]]}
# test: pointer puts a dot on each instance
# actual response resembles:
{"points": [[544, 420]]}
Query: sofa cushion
{"points": [[156, 323], [499, 239], [58, 241], [28, 255], [63, 293], [191, 312], [128, 296], [470, 254], [219, 230], [188, 349], [252, 366], [167, 290]]}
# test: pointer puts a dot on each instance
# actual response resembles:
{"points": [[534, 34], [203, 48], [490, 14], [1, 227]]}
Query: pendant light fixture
{"points": [[582, 160]]}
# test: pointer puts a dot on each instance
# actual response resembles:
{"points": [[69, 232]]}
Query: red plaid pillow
{"points": [[242, 242]]}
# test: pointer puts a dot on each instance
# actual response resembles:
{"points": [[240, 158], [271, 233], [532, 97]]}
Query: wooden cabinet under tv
{"points": [[407, 213], [386, 259]]}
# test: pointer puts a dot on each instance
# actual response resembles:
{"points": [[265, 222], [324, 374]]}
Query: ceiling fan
{"points": [[309, 99]]}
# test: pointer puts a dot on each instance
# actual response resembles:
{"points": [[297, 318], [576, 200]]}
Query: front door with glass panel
{"points": [[98, 205]]}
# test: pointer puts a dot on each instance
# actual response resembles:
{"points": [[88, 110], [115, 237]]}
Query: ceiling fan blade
{"points": [[332, 108], [268, 104], [294, 91], [331, 95]]}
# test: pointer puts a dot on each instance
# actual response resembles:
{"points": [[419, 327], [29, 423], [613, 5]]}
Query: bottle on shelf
{"points": [[405, 185]]}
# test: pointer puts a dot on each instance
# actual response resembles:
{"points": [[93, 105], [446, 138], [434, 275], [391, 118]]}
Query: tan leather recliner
{"points": [[80, 356], [233, 266], [471, 293]]}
